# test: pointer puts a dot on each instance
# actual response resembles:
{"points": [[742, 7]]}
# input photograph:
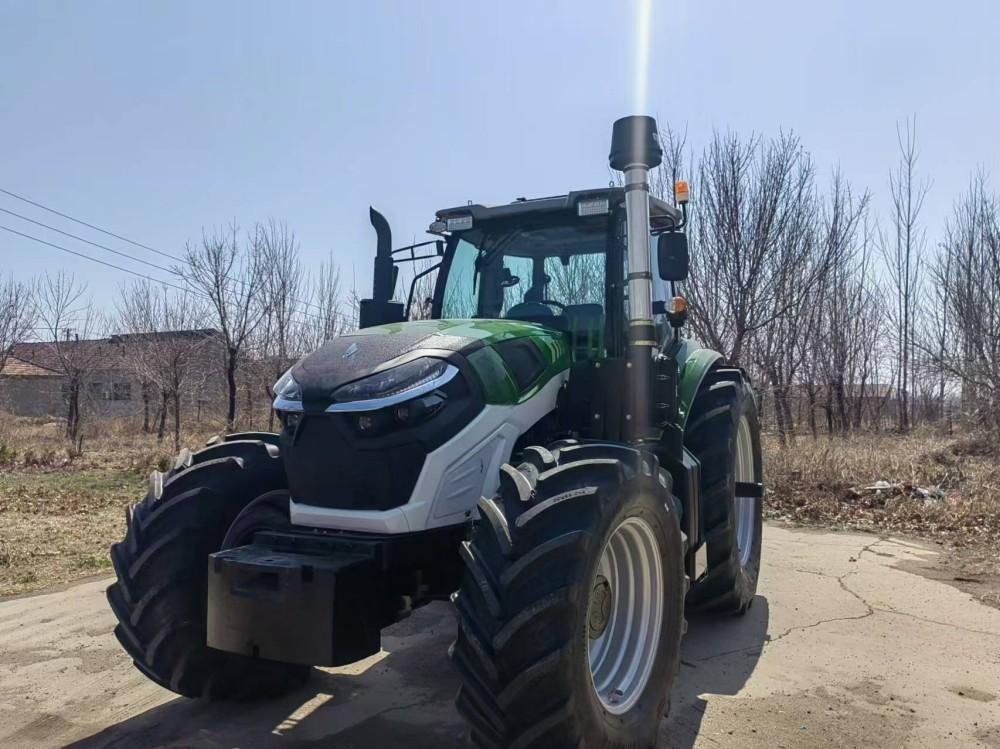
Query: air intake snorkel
{"points": [[635, 149]]}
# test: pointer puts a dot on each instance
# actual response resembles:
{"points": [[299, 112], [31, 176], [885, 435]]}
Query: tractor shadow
{"points": [[718, 655], [402, 698]]}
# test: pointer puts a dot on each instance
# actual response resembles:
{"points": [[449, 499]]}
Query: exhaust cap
{"points": [[635, 142]]}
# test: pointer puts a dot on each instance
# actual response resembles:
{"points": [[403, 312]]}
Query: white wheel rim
{"points": [[627, 599], [746, 507]]}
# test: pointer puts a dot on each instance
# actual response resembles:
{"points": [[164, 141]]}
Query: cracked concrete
{"points": [[842, 647], [850, 650]]}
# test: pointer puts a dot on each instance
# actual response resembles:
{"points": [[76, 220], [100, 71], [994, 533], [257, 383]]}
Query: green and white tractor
{"points": [[547, 451]]}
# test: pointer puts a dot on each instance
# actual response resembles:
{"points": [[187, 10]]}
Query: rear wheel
{"points": [[571, 610], [723, 432], [159, 597]]}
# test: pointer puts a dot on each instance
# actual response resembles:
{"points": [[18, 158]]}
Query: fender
{"points": [[695, 363]]}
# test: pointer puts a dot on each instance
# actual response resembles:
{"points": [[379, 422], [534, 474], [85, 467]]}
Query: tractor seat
{"points": [[536, 312], [585, 323], [526, 310]]}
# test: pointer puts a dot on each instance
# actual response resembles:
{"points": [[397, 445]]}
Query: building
{"points": [[116, 378], [30, 389]]}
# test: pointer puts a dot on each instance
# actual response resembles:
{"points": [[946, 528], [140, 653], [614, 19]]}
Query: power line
{"points": [[94, 244], [90, 226], [120, 237], [123, 269], [99, 261], [171, 271]]}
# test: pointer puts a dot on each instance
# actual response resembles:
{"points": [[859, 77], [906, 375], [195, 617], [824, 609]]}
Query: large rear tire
{"points": [[723, 432], [160, 595], [553, 649]]}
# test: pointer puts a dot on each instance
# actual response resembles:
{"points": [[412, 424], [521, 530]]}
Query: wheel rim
{"points": [[746, 507], [625, 615]]}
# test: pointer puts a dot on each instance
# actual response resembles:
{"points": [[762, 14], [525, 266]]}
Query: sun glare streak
{"points": [[642, 31]]}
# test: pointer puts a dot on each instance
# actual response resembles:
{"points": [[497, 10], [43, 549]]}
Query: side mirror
{"points": [[672, 256], [509, 279]]}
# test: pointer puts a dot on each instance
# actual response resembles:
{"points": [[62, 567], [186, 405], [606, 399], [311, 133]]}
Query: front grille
{"points": [[332, 462], [329, 465]]}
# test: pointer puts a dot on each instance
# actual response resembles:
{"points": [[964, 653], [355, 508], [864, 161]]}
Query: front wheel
{"points": [[159, 597], [571, 610]]}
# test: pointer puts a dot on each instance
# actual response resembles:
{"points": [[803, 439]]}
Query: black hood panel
{"points": [[351, 357]]}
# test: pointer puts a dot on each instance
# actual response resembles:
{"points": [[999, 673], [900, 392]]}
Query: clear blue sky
{"points": [[157, 119]]}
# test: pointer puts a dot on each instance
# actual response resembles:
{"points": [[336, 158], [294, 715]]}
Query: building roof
{"points": [[167, 335], [45, 354], [15, 367], [102, 353]]}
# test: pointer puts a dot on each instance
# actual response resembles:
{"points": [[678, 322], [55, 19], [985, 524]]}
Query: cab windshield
{"points": [[555, 276]]}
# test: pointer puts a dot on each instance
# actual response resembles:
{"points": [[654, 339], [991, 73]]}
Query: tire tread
{"points": [[529, 546], [158, 597]]}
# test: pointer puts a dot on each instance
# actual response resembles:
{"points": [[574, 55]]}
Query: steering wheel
{"points": [[554, 303]]}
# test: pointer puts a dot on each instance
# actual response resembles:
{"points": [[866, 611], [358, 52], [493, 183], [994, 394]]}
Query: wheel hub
{"points": [[625, 614], [600, 606], [746, 507]]}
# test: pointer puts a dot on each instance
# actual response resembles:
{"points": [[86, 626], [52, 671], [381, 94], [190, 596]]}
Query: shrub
{"points": [[39, 459], [7, 555], [7, 455], [150, 460], [923, 484]]}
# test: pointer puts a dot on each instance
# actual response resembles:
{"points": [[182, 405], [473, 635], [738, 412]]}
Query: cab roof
{"points": [[662, 214]]}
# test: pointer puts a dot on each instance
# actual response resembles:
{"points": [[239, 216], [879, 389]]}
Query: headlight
{"points": [[393, 385], [287, 389]]}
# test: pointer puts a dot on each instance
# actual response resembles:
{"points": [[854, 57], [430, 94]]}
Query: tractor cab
{"points": [[557, 261]]}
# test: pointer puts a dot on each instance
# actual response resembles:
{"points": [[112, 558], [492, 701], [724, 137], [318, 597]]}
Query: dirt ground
{"points": [[853, 641]]}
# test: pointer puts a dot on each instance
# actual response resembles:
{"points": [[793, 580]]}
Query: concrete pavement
{"points": [[842, 647]]}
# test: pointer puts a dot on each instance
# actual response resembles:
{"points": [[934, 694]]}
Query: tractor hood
{"points": [[505, 360]]}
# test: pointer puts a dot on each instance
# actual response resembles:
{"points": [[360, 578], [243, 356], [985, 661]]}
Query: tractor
{"points": [[549, 451]]}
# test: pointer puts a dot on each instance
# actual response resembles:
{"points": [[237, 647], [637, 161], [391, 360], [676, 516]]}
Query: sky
{"points": [[159, 120]]}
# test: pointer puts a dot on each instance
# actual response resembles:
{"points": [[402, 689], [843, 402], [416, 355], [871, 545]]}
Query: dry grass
{"points": [[823, 482], [60, 511]]}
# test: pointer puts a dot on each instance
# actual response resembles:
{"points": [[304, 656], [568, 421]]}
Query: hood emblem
{"points": [[351, 351]]}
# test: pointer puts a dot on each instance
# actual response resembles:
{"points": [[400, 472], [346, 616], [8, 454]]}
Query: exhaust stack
{"points": [[380, 308], [384, 280]]}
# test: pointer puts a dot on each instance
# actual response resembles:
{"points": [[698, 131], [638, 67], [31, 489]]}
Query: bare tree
{"points": [[935, 338], [674, 166], [968, 272], [329, 318], [752, 254], [234, 281], [846, 307], [284, 310], [17, 315], [71, 322], [774, 353], [166, 345], [137, 320], [903, 252]]}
